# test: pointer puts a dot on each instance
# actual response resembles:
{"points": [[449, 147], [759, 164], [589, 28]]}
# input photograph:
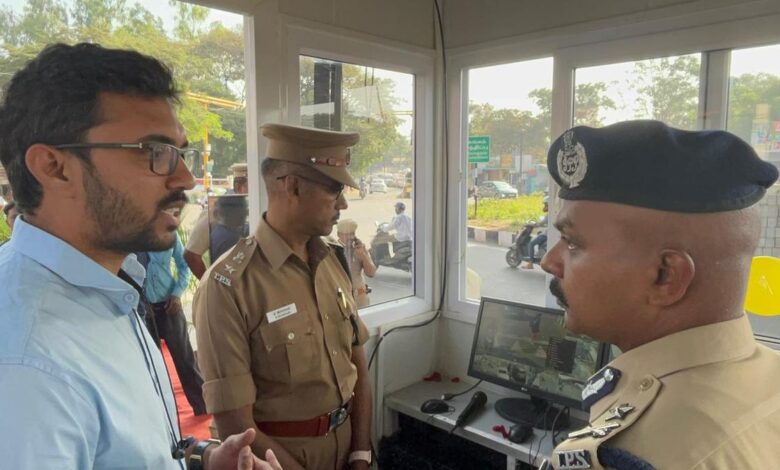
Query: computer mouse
{"points": [[435, 406], [520, 433]]}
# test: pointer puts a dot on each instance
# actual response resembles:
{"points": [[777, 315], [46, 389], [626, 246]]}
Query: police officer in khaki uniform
{"points": [[658, 228], [280, 341]]}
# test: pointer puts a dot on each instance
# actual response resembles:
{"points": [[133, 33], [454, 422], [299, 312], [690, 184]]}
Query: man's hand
{"points": [[235, 453], [173, 306]]}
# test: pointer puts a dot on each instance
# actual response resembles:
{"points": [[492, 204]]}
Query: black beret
{"points": [[649, 164]]}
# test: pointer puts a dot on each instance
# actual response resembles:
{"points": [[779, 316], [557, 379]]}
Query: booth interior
{"points": [[457, 102]]}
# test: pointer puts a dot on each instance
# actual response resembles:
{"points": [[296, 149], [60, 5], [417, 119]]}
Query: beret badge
{"points": [[572, 161]]}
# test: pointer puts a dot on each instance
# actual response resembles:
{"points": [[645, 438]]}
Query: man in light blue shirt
{"points": [[94, 155], [163, 289]]}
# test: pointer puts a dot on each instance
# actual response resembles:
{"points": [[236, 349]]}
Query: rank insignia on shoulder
{"points": [[239, 257], [600, 431], [599, 386], [572, 459], [230, 269], [620, 412], [222, 279]]}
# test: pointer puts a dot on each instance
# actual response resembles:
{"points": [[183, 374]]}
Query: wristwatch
{"points": [[360, 455], [196, 457]]}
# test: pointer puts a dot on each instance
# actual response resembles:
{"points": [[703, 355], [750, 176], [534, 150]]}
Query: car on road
{"points": [[496, 189], [378, 186]]}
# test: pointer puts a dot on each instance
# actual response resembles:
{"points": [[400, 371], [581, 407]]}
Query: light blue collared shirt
{"points": [[76, 383]]}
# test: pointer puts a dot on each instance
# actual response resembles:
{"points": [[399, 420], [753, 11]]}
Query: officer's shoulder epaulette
{"points": [[229, 267], [332, 241]]}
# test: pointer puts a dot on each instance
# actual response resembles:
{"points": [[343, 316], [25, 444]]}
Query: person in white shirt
{"points": [[401, 223]]}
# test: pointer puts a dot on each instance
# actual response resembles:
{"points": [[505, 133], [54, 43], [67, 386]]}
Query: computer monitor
{"points": [[526, 348]]}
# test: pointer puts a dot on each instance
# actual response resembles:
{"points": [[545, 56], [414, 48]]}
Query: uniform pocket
{"points": [[287, 350]]}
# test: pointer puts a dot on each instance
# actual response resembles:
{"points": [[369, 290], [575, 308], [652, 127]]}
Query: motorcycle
{"points": [[401, 257], [519, 249]]}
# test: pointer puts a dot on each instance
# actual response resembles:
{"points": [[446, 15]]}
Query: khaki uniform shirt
{"points": [[276, 332], [703, 398]]}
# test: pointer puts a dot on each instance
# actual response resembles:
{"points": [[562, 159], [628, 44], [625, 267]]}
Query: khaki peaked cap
{"points": [[325, 151]]}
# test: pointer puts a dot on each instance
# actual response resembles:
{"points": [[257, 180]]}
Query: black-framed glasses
{"points": [[163, 158], [335, 189]]}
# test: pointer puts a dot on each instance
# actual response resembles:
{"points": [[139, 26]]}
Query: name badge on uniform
{"points": [[572, 459], [283, 312]]}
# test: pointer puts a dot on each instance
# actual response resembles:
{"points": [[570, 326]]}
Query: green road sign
{"points": [[479, 148]]}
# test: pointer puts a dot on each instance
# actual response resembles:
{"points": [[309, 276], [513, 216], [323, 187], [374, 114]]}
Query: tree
{"points": [[368, 107], [206, 59], [668, 90], [748, 91]]}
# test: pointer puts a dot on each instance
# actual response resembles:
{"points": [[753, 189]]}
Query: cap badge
{"points": [[330, 161], [572, 161]]}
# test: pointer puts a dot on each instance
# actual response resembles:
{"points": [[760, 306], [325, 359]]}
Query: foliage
{"points": [[668, 89], [5, 230], [368, 108], [747, 92], [513, 131], [506, 214], [206, 59]]}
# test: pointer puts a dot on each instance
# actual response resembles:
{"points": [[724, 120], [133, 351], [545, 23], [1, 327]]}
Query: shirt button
{"points": [[645, 384], [335, 352], [248, 241], [326, 317], [291, 336], [129, 298]]}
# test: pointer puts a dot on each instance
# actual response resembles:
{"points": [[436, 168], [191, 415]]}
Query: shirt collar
{"points": [[74, 267], [694, 347], [277, 251]]}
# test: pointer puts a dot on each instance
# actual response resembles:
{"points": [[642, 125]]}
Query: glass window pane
{"points": [[509, 133], [203, 46], [379, 105], [666, 89], [754, 115]]}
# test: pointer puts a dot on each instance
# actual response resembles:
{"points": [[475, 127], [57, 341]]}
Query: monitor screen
{"points": [[527, 348]]}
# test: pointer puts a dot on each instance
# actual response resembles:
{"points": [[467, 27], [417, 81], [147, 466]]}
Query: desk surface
{"points": [[480, 429]]}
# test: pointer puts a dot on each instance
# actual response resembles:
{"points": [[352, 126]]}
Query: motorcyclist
{"points": [[539, 240], [402, 224]]}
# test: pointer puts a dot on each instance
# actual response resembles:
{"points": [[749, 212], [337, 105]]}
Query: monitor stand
{"points": [[531, 411]]}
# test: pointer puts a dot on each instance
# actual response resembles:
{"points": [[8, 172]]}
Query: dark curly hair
{"points": [[54, 100]]}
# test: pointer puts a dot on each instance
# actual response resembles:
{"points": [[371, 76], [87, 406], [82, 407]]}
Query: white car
{"points": [[378, 186]]}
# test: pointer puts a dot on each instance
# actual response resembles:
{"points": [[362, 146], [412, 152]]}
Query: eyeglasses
{"points": [[163, 158], [335, 189]]}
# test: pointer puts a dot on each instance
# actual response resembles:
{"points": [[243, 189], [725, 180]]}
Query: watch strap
{"points": [[364, 455], [196, 457]]}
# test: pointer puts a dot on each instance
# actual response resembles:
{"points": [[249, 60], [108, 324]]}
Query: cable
{"points": [[444, 263], [541, 439], [555, 421], [450, 396], [146, 351]]}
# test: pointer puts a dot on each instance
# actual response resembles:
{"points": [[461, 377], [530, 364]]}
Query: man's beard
{"points": [[557, 291], [120, 223]]}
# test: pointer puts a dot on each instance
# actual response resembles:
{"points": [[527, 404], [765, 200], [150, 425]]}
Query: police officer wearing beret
{"points": [[280, 341], [658, 228]]}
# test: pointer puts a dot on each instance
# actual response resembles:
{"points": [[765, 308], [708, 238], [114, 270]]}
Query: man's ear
{"points": [[54, 170], [675, 272]]}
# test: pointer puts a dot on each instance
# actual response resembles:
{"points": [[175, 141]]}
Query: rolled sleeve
{"points": [[45, 422], [224, 355]]}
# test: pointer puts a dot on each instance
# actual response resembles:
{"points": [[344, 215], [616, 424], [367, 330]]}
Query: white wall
{"points": [[469, 22]]}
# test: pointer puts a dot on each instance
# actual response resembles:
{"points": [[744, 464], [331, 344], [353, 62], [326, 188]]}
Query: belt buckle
{"points": [[336, 418]]}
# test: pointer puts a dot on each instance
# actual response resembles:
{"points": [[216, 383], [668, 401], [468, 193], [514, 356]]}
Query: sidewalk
{"points": [[493, 237]]}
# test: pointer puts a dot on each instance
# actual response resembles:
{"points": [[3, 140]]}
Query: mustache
{"points": [[177, 196], [557, 291]]}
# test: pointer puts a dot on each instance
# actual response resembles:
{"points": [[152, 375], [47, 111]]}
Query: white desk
{"points": [[479, 429]]}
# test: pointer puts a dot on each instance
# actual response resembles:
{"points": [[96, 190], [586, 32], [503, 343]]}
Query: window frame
{"points": [[304, 38], [573, 48]]}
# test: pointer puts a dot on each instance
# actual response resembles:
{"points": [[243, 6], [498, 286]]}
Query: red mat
{"points": [[191, 425]]}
